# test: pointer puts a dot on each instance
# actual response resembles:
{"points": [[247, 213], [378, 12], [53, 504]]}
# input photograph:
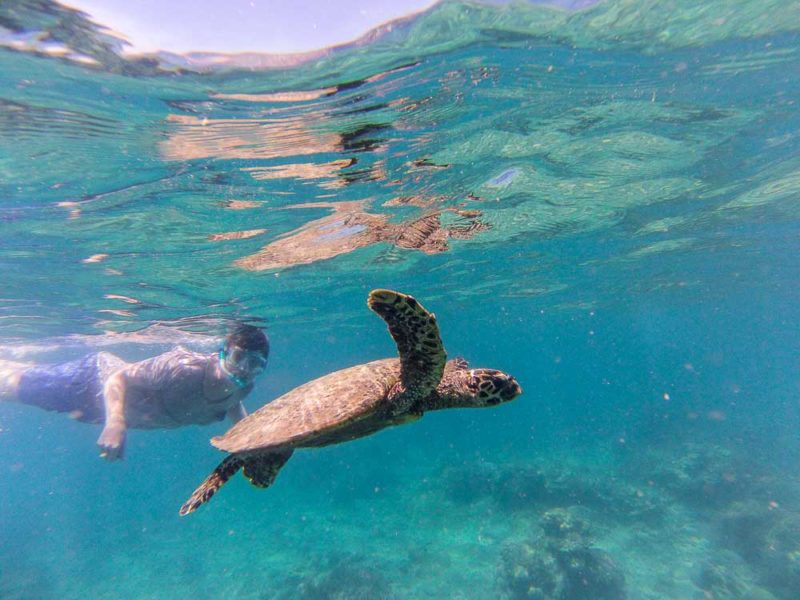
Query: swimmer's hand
{"points": [[112, 442]]}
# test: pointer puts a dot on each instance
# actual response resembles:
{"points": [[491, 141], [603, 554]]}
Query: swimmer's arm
{"points": [[236, 412], [112, 439]]}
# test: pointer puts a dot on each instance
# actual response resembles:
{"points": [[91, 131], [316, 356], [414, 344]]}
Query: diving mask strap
{"points": [[240, 383]]}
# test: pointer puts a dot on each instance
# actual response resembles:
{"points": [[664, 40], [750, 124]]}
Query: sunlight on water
{"points": [[602, 202]]}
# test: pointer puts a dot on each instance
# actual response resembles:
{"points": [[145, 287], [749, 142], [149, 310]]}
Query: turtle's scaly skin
{"points": [[357, 401], [416, 333]]}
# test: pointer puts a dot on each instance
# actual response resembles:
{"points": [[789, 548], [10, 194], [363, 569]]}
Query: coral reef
{"points": [[738, 519], [345, 578], [560, 564], [767, 537], [540, 485], [725, 577], [703, 476]]}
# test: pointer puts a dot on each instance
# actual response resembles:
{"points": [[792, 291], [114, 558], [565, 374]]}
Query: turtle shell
{"points": [[318, 408]]}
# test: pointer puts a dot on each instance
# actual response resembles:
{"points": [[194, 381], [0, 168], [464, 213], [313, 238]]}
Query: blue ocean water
{"points": [[603, 203]]}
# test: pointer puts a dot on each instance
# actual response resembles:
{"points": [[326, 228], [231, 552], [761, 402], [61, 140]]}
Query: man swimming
{"points": [[177, 388]]}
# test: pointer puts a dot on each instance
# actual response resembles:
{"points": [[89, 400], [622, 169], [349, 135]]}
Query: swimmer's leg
{"points": [[10, 374], [73, 387]]}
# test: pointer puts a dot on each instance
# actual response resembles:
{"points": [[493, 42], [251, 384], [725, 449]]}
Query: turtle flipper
{"points": [[226, 469], [262, 469], [414, 329]]}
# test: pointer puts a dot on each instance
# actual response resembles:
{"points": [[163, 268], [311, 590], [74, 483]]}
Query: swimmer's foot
{"points": [[10, 373]]}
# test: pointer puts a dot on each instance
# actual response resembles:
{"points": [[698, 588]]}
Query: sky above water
{"points": [[243, 25], [271, 26]]}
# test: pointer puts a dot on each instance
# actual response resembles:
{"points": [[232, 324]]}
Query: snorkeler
{"points": [[173, 389]]}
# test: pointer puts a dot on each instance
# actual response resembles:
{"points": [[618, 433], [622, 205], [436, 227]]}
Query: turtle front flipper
{"points": [[226, 469], [414, 329]]}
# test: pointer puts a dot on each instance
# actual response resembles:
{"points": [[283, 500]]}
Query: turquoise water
{"points": [[603, 203]]}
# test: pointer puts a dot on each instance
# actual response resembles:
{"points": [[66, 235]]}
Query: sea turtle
{"points": [[357, 401]]}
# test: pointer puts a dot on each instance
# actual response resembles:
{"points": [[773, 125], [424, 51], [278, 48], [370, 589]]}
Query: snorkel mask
{"points": [[240, 365]]}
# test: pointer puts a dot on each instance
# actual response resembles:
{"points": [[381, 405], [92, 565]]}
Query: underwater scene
{"points": [[600, 203]]}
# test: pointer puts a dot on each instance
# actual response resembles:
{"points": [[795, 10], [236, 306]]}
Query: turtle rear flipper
{"points": [[416, 333], [262, 469], [226, 469]]}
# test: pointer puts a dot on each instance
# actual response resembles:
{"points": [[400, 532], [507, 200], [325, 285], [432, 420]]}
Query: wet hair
{"points": [[248, 337]]}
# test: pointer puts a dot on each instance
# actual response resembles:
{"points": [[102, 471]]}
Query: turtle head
{"points": [[490, 387], [462, 387]]}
